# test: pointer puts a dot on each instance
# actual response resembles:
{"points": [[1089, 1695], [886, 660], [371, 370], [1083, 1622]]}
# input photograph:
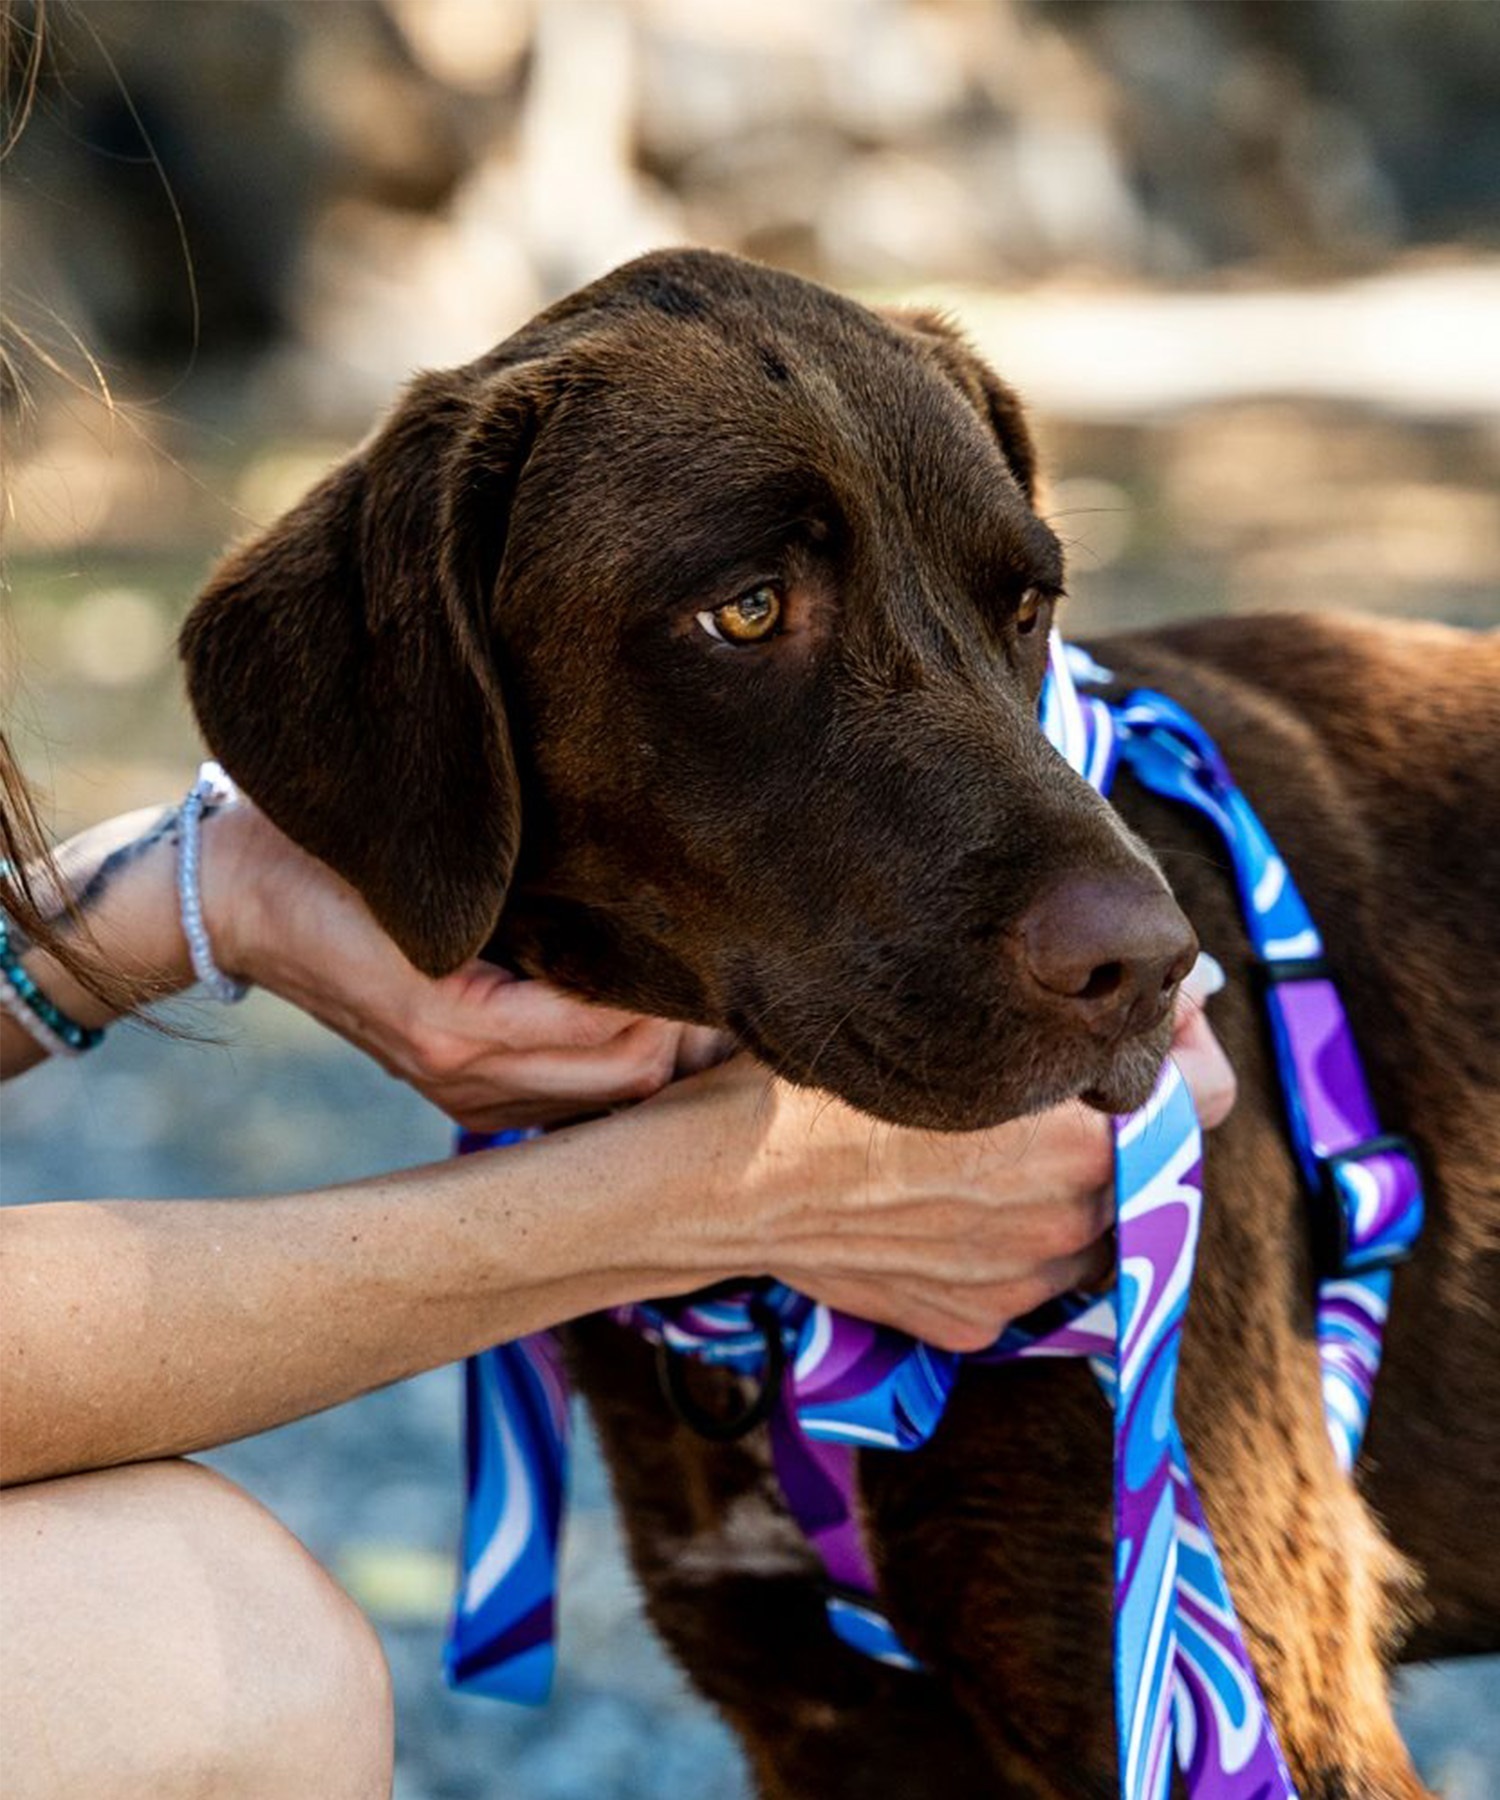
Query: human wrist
{"points": [[116, 909], [659, 1210], [725, 1168], [26, 1005], [126, 878], [211, 791]]}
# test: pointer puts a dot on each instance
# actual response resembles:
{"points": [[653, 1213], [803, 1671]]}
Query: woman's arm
{"points": [[146, 1328], [149, 1328], [490, 1050], [119, 879]]}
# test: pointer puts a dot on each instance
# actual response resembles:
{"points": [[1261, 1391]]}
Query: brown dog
{"points": [[686, 648]]}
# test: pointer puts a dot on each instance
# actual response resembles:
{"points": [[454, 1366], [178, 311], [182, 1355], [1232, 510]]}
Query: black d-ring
{"points": [[725, 1428]]}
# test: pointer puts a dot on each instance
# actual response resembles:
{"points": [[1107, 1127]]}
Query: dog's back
{"points": [[1373, 751]]}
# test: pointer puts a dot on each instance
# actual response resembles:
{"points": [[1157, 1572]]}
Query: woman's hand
{"points": [[489, 1049], [948, 1236]]}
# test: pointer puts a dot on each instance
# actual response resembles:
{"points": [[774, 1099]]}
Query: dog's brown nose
{"points": [[1112, 947]]}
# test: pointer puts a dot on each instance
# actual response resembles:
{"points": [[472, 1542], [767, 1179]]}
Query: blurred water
{"points": [[374, 1488]]}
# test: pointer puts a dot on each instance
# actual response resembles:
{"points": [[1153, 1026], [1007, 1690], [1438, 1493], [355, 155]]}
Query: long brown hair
{"points": [[23, 844], [36, 900], [20, 67]]}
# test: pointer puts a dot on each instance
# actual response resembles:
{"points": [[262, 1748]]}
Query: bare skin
{"points": [[209, 1320], [162, 1637], [135, 1332]]}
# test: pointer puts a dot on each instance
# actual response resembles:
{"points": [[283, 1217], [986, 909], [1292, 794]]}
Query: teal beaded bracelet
{"points": [[29, 1006]]}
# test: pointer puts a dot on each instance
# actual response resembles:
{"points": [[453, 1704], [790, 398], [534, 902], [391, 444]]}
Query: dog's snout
{"points": [[1111, 950]]}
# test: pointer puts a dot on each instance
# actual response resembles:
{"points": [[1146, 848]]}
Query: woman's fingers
{"points": [[494, 1050], [492, 1006], [966, 1316], [1196, 1051], [700, 1047]]}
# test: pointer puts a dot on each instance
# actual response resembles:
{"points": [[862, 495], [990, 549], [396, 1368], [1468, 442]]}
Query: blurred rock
{"points": [[397, 1583], [363, 186], [581, 205], [115, 637], [1317, 135], [888, 217], [473, 46]]}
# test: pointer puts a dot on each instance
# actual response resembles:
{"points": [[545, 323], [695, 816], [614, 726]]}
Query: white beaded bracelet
{"points": [[212, 788]]}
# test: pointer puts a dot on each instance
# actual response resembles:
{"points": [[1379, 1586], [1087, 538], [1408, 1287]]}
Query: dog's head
{"points": [[687, 648]]}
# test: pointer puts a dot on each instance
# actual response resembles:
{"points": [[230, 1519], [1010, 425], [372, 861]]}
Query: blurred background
{"points": [[1242, 258]]}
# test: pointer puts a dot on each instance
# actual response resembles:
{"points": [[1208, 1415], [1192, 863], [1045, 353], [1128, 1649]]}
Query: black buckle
{"points": [[1275, 970], [1332, 1254], [726, 1427]]}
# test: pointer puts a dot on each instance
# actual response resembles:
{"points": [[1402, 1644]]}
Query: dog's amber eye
{"points": [[750, 619], [1029, 610]]}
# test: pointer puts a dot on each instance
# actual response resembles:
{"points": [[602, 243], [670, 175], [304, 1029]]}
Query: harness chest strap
{"points": [[851, 1385]]}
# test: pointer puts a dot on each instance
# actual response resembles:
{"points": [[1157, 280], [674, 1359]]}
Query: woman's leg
{"points": [[162, 1635]]}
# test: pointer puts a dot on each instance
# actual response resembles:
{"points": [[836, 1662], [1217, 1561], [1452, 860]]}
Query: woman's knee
{"points": [[163, 1634]]}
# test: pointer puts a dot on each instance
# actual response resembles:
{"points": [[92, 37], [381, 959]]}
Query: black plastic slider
{"points": [[1274, 970], [1334, 1250]]}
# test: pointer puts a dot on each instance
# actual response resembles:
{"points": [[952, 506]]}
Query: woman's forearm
{"points": [[148, 1328]]}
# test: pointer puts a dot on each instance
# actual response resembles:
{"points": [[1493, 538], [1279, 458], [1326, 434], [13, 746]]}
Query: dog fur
{"points": [[468, 672]]}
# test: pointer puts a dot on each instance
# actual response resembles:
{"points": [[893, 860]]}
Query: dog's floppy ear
{"points": [[340, 665], [998, 405]]}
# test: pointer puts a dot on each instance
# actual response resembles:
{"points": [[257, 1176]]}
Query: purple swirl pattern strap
{"points": [[1183, 1676], [1159, 1199], [717, 1327], [821, 1485], [501, 1636], [1366, 1188], [1351, 1327], [1378, 1207], [1225, 1744], [861, 1384], [852, 1384]]}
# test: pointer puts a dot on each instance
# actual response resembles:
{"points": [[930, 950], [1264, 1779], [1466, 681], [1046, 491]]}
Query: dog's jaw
{"points": [[988, 1089]]}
